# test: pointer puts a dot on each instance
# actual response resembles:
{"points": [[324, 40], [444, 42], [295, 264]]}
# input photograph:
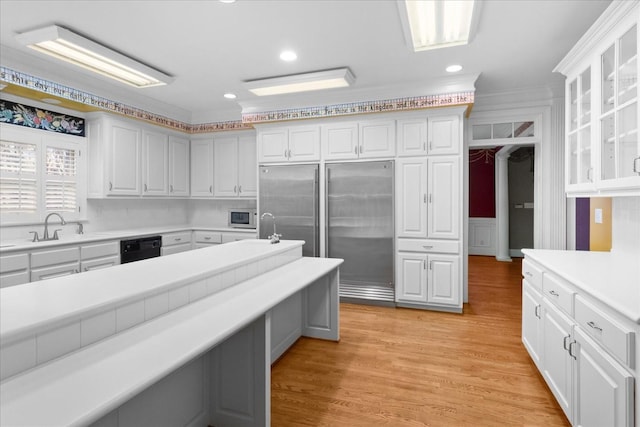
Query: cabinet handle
{"points": [[636, 165], [239, 189], [171, 188], [361, 149], [430, 145], [424, 264], [424, 198], [76, 271], [589, 177], [536, 311], [424, 146], [564, 341], [177, 239], [571, 350], [430, 198], [554, 293], [528, 273], [235, 189], [594, 325], [207, 238], [211, 189], [431, 265], [110, 186], [289, 155], [356, 150], [285, 153], [145, 188], [427, 246]]}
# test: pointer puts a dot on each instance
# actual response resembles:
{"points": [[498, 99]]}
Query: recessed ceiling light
{"points": [[288, 55], [454, 68], [51, 101], [230, 95]]}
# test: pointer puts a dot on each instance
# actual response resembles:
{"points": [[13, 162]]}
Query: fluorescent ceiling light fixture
{"points": [[432, 24], [453, 68], [76, 49], [329, 79]]}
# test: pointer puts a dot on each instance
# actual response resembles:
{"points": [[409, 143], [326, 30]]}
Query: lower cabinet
{"points": [[173, 243], [95, 256], [429, 279], [580, 353], [51, 263], [14, 269]]}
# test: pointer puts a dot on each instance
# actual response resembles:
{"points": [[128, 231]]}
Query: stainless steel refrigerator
{"points": [[359, 224], [290, 193]]}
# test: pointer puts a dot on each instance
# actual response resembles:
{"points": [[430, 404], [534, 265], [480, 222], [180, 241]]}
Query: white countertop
{"points": [[86, 385], [611, 278], [36, 305], [8, 246]]}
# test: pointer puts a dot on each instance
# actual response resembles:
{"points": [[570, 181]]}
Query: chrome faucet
{"points": [[275, 237], [46, 228]]}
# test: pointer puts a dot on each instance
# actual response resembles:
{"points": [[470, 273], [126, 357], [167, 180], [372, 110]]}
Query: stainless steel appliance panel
{"points": [[290, 193], [360, 226]]}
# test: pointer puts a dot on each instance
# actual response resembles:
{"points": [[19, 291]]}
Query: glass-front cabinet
{"points": [[602, 116]]}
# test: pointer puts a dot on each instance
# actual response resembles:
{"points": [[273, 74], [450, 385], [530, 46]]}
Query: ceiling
{"points": [[212, 47]]}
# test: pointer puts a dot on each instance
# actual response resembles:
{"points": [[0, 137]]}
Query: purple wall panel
{"points": [[582, 223]]}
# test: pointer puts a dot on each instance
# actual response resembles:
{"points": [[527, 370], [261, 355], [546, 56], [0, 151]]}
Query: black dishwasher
{"points": [[140, 248]]}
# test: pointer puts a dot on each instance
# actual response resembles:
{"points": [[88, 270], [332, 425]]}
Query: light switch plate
{"points": [[598, 215]]}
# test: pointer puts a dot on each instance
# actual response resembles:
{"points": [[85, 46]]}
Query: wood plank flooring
{"points": [[403, 367]]}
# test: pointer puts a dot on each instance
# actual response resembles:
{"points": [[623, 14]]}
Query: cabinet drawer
{"points": [[532, 273], [176, 248], [558, 293], [423, 245], [179, 238], [14, 262], [14, 278], [54, 256], [98, 250], [207, 237], [613, 336], [232, 237]]}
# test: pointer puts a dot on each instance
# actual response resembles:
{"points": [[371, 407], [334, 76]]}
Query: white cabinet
{"points": [[57, 262], [602, 115], [532, 322], [173, 243], [584, 350], [340, 141], [297, 143], [444, 135], [14, 269], [202, 167], [411, 197], [443, 281], [234, 237], [124, 151], [359, 140], [235, 168], [411, 277], [155, 156], [443, 207], [97, 255], [178, 166], [412, 137]]}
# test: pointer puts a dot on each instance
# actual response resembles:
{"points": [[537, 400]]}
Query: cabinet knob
{"points": [[636, 165], [235, 189], [239, 189], [145, 188], [211, 189], [110, 186], [171, 188]]}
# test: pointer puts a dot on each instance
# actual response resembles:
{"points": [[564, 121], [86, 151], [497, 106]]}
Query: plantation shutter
{"points": [[18, 178], [60, 189]]}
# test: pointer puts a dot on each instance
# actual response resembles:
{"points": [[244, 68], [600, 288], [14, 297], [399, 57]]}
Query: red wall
{"points": [[482, 183]]}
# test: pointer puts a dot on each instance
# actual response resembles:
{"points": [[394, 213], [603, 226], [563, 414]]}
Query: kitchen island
{"points": [[186, 339]]}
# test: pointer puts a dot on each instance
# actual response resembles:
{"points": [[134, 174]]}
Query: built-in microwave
{"points": [[242, 218]]}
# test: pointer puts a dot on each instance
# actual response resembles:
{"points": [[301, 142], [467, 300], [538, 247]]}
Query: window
{"points": [[40, 173]]}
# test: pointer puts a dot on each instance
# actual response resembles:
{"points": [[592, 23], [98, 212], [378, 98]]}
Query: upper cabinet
{"points": [[202, 167], [602, 145], [432, 136], [359, 140], [127, 158], [291, 144], [235, 167]]}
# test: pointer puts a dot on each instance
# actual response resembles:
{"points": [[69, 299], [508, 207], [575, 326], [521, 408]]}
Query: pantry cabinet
{"points": [[411, 197], [235, 167], [602, 116], [443, 199]]}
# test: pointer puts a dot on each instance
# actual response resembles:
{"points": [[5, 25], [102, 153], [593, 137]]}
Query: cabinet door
{"points": [[412, 137], [178, 166], [443, 284], [304, 143], [411, 198], [14, 278], [444, 135], [247, 167], [54, 271], [225, 167], [578, 152], [155, 156], [125, 151], [556, 342], [532, 322], [202, 167], [443, 213], [377, 139], [340, 141], [411, 281], [99, 263], [273, 146], [604, 390]]}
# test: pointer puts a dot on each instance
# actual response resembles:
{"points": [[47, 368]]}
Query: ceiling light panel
{"points": [[432, 24], [75, 49], [341, 77]]}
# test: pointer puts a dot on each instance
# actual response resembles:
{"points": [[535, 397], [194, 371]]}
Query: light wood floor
{"points": [[402, 367]]}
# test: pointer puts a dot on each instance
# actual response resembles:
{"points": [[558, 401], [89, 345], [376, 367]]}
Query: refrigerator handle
{"points": [[316, 214], [326, 211]]}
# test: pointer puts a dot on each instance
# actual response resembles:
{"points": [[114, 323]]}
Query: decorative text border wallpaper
{"points": [[390, 105]]}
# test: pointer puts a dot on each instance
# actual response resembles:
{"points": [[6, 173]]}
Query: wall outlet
{"points": [[598, 216]]}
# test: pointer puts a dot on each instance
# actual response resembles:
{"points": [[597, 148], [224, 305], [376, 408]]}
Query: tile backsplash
{"points": [[626, 225]]}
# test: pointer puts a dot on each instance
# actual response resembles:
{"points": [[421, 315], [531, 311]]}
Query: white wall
{"points": [[123, 214], [626, 226]]}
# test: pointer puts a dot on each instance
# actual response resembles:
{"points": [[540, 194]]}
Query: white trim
{"points": [[482, 236]]}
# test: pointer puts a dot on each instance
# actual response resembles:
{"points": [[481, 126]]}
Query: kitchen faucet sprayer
{"points": [[275, 237]]}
